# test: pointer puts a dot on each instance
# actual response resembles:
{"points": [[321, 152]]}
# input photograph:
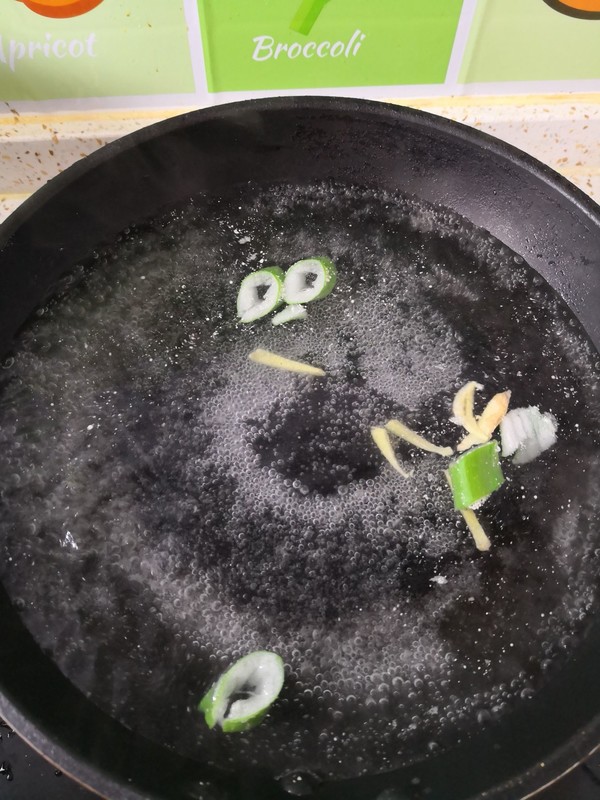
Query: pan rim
{"points": [[585, 741], [481, 139]]}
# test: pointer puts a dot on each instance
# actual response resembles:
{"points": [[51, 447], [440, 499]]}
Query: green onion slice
{"points": [[242, 696], [260, 293], [308, 280], [475, 475]]}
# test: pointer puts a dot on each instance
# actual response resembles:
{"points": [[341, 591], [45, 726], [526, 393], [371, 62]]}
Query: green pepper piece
{"points": [[475, 475], [259, 677]]}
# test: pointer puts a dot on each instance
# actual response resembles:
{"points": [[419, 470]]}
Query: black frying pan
{"points": [[402, 201]]}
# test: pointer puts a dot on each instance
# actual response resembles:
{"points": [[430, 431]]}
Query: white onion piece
{"points": [[526, 433], [288, 314]]}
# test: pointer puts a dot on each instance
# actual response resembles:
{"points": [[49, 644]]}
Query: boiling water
{"points": [[168, 506]]}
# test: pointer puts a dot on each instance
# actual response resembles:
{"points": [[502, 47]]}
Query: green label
{"points": [[290, 44], [527, 40], [119, 48]]}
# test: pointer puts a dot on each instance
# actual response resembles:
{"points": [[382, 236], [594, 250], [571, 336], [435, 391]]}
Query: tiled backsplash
{"points": [[60, 55]]}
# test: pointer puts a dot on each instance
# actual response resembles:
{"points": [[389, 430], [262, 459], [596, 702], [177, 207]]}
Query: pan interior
{"points": [[168, 506]]}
